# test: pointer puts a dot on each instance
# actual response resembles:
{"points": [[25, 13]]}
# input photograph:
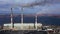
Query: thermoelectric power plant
{"points": [[29, 16], [48, 13], [22, 26]]}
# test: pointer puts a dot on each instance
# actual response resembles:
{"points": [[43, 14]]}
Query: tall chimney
{"points": [[22, 17], [36, 21], [12, 19]]}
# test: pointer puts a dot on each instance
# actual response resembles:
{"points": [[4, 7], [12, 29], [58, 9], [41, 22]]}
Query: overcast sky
{"points": [[46, 7]]}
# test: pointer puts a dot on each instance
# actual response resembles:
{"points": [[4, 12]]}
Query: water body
{"points": [[49, 20]]}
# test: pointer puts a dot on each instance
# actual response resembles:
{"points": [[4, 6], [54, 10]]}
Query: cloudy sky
{"points": [[34, 6]]}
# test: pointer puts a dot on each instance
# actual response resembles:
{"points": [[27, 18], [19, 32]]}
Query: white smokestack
{"points": [[11, 18], [22, 16], [36, 21]]}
